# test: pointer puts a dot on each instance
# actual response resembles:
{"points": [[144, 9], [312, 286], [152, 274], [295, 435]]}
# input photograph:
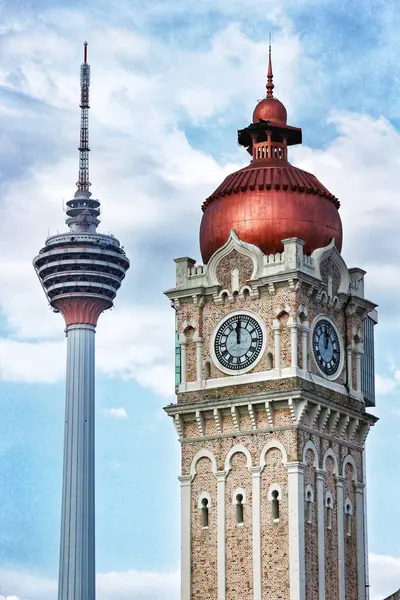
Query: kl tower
{"points": [[80, 272]]}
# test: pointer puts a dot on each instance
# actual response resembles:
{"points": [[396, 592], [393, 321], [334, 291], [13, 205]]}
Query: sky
{"points": [[172, 82]]}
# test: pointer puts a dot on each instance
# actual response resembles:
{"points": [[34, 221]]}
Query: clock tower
{"points": [[275, 373]]}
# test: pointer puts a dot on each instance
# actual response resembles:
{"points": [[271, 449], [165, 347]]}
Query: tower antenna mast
{"points": [[83, 183]]}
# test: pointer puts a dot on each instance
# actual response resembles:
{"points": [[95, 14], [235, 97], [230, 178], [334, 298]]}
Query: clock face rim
{"points": [[214, 357], [339, 369]]}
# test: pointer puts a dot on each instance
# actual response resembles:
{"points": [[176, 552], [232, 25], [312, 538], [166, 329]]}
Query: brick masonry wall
{"points": [[204, 541], [274, 536], [331, 537], [311, 532], [234, 260], [239, 539], [350, 541], [274, 541]]}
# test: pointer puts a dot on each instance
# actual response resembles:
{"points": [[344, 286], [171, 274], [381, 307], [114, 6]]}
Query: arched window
{"points": [[239, 509], [348, 509], [204, 513], [270, 361], [204, 504], [329, 510], [275, 496], [309, 502], [239, 499], [275, 506]]}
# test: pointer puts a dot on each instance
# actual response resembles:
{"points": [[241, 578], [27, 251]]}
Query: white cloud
{"points": [[384, 575], [142, 585], [385, 385], [115, 413], [127, 585]]}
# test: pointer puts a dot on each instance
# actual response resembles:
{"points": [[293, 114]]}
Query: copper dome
{"points": [[270, 109], [266, 204], [270, 200]]}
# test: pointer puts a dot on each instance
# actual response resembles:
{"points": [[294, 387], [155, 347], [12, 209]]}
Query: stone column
{"points": [[304, 344], [359, 353], [77, 548], [360, 534], [256, 501], [321, 533], [186, 527], [199, 358], [221, 550], [350, 366], [276, 327], [296, 530], [183, 345], [293, 326], [340, 532]]}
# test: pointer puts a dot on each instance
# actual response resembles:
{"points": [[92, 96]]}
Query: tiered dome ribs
{"points": [[81, 266]]}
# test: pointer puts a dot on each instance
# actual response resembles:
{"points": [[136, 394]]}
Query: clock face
{"points": [[326, 347], [238, 342]]}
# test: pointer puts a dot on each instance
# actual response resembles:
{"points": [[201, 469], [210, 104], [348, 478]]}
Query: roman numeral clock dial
{"points": [[326, 348], [238, 343]]}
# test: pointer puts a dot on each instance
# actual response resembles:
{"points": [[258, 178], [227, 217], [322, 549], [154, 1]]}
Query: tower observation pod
{"points": [[80, 271]]}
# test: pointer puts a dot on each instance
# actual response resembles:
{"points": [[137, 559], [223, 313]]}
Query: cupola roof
{"points": [[270, 199]]}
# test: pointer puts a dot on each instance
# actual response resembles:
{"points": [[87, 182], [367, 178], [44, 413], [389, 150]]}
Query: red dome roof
{"points": [[270, 109], [266, 203], [270, 200]]}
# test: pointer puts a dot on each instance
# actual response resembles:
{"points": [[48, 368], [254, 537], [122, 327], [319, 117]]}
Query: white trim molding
{"points": [[340, 534], [321, 533], [203, 453], [234, 243], [238, 448], [329, 496], [269, 446], [204, 496], [221, 529], [333, 456], [186, 539], [310, 446], [349, 460], [309, 493], [296, 530], [256, 522], [361, 542], [274, 487], [235, 494]]}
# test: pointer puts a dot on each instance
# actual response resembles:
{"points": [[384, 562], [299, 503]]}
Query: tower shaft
{"points": [[80, 272], [77, 552]]}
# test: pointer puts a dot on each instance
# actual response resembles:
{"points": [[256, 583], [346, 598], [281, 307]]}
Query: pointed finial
{"points": [[270, 86], [85, 45]]}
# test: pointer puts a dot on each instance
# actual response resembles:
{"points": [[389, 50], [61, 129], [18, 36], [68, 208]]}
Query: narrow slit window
{"points": [[348, 524], [309, 506], [239, 509], [329, 510], [275, 505], [204, 513], [348, 516]]}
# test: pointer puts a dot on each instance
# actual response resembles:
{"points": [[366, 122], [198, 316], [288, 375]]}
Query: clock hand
{"points": [[238, 332], [326, 341]]}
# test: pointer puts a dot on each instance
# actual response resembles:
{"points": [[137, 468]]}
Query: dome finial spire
{"points": [[270, 86]]}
